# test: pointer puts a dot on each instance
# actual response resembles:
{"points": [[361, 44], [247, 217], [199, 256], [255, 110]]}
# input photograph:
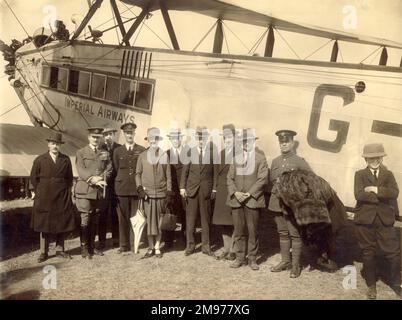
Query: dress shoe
{"points": [[98, 252], [372, 292], [238, 263], [63, 254], [209, 253], [122, 250], [295, 272], [253, 265], [150, 253], [281, 266], [158, 254], [188, 252], [43, 257], [231, 256], [84, 251], [222, 256]]}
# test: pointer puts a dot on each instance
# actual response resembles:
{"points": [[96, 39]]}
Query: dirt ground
{"points": [[175, 276]]}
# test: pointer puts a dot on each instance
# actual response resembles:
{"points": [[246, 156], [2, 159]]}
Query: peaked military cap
{"points": [[130, 126], [108, 129], [96, 131], [285, 135]]}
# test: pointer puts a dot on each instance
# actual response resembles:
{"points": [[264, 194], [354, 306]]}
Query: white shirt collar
{"points": [[93, 147], [53, 156], [129, 146]]}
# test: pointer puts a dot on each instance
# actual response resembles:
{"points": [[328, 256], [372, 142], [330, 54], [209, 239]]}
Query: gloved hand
{"points": [[141, 192]]}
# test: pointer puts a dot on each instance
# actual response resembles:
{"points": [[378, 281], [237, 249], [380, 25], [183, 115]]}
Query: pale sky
{"points": [[377, 18]]}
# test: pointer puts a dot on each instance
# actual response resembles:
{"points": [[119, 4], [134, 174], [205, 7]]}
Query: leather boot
{"points": [[92, 234], [285, 257], [296, 253], [84, 241]]}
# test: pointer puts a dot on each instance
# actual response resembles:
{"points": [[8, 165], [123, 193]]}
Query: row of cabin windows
{"points": [[128, 92]]}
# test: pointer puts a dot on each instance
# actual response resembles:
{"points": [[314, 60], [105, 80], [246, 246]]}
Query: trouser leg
{"points": [[284, 238], [123, 211], [205, 212], [102, 225], [366, 236], [295, 241], [44, 243], [191, 215], [239, 233], [252, 217], [59, 242], [227, 237], [114, 220]]}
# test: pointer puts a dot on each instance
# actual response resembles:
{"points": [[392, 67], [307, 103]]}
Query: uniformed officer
{"points": [[109, 135], [124, 162], [94, 168], [289, 236]]}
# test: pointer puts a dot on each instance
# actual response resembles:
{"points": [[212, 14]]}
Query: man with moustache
{"points": [[124, 162], [376, 192], [109, 145], [94, 168], [53, 212], [289, 235]]}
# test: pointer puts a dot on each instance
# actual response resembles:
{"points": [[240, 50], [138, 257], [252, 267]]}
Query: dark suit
{"points": [[112, 202], [198, 180], [125, 162], [178, 204], [374, 218]]}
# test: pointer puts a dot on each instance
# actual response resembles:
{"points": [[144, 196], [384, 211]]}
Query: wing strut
{"points": [[137, 23], [218, 40], [119, 20], [87, 18], [269, 48], [169, 25]]}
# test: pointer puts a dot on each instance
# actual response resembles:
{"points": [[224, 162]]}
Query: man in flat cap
{"points": [[109, 145], [53, 211], [124, 162], [289, 235], [246, 179], [176, 154], [197, 185], [94, 169], [376, 192]]}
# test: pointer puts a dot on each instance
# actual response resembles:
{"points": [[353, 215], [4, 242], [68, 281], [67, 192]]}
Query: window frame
{"points": [[67, 81], [118, 94], [89, 84], [152, 96], [135, 92], [104, 91]]}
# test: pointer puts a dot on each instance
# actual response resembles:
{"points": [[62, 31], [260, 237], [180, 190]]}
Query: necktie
{"points": [[129, 149], [200, 156], [375, 175], [96, 149]]}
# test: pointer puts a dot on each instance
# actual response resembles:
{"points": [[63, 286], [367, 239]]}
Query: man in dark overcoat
{"points": [[53, 211], [178, 205], [124, 162], [222, 215], [376, 192]]}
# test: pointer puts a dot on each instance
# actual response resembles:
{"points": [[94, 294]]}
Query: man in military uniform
{"points": [[94, 168], [289, 236], [125, 161], [109, 136]]}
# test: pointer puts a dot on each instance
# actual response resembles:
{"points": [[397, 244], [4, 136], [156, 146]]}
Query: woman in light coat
{"points": [[154, 186]]}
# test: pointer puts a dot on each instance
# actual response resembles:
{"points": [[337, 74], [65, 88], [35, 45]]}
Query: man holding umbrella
{"points": [[53, 211]]}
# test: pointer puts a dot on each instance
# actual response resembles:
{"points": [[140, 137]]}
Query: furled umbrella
{"points": [[138, 222]]}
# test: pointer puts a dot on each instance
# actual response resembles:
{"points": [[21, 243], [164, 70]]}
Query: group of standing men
{"points": [[109, 177]]}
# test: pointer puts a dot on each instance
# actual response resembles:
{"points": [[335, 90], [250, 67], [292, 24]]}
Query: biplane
{"points": [[67, 82]]}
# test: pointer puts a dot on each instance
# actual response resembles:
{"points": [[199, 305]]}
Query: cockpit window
{"points": [[98, 86], [127, 91], [143, 97], [112, 89]]}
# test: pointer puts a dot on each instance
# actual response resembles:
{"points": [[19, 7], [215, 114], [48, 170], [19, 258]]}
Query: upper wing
{"points": [[21, 144], [220, 9]]}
